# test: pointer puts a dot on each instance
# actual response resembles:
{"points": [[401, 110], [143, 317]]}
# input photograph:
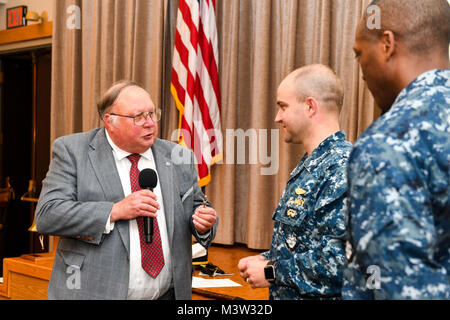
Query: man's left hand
{"points": [[204, 219], [252, 270]]}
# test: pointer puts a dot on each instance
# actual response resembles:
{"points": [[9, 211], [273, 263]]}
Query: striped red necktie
{"points": [[151, 253]]}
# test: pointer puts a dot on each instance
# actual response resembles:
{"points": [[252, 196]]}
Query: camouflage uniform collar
{"points": [[321, 151], [426, 79]]}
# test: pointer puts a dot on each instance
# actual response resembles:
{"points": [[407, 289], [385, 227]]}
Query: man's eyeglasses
{"points": [[139, 119]]}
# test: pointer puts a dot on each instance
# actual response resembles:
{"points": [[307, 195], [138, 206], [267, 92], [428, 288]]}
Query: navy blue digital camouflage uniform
{"points": [[308, 243], [399, 198]]}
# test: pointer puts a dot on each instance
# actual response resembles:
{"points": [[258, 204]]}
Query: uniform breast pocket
{"points": [[292, 226], [291, 215]]}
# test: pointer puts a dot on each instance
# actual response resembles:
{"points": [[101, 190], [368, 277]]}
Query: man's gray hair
{"points": [[110, 96]]}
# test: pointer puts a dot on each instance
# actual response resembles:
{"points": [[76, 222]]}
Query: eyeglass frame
{"points": [[157, 112]]}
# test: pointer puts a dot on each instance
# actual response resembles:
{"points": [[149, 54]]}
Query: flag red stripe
{"points": [[187, 17], [210, 62], [206, 118], [178, 87], [183, 52]]}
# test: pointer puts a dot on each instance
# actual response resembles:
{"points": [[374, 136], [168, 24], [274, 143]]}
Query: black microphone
{"points": [[148, 180]]}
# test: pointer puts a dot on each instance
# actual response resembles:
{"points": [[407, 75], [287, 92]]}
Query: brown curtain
{"points": [[118, 39], [260, 42]]}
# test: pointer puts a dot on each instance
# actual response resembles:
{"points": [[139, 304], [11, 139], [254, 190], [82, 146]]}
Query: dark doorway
{"points": [[25, 82]]}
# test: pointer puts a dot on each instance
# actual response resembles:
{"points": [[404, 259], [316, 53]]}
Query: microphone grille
{"points": [[148, 179]]}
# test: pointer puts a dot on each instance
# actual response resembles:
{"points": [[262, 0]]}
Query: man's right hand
{"points": [[140, 203]]}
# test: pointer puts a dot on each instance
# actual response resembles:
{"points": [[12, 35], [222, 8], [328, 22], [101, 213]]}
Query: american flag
{"points": [[195, 83]]}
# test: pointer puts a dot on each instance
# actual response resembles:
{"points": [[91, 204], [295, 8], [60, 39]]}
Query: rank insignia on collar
{"points": [[291, 242], [291, 213], [300, 191]]}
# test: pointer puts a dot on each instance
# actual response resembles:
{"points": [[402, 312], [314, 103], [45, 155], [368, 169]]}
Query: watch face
{"points": [[269, 273]]}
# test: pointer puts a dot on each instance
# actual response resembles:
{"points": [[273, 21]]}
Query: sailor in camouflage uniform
{"points": [[399, 170], [307, 254]]}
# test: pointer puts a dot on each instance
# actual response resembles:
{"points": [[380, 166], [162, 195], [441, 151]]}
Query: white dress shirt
{"points": [[141, 285]]}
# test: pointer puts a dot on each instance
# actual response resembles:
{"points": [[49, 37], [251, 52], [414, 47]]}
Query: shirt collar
{"points": [[120, 154], [315, 158], [426, 79]]}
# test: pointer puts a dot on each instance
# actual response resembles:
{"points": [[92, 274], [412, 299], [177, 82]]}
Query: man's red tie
{"points": [[151, 253]]}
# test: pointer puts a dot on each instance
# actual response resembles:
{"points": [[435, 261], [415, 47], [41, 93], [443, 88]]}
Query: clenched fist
{"points": [[204, 219], [140, 203]]}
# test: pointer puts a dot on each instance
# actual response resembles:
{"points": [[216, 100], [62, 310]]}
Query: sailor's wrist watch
{"points": [[269, 271]]}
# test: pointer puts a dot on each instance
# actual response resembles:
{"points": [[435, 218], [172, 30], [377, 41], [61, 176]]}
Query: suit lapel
{"points": [[103, 163], [164, 167]]}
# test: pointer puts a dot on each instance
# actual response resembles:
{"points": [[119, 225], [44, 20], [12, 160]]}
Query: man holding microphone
{"points": [[92, 201]]}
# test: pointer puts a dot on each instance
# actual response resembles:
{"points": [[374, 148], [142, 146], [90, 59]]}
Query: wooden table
{"points": [[227, 258]]}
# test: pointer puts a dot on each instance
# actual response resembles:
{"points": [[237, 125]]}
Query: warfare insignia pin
{"points": [[291, 213], [300, 191], [291, 242]]}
